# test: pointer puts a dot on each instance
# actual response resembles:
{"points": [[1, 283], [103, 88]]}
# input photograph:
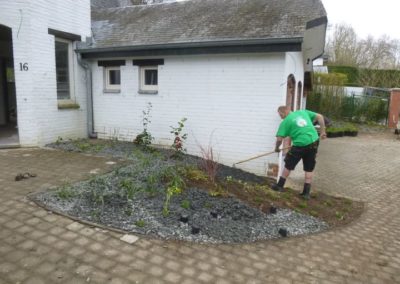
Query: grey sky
{"points": [[374, 17]]}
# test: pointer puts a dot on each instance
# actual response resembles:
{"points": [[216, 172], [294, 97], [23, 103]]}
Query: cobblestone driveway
{"points": [[39, 247]]}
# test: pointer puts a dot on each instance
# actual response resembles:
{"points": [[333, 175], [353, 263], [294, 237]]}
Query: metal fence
{"points": [[333, 102], [364, 108]]}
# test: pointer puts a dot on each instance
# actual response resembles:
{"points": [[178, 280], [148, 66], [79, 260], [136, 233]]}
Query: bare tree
{"points": [[381, 53], [342, 47], [345, 48]]}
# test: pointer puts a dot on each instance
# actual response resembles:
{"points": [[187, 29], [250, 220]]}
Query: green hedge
{"points": [[360, 77], [352, 74]]}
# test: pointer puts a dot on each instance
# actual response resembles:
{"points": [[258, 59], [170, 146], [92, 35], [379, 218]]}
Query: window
{"points": [[64, 69], [149, 79], [112, 78]]}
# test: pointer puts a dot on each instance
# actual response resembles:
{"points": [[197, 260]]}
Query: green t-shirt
{"points": [[299, 127]]}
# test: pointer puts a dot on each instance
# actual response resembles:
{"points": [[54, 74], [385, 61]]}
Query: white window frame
{"points": [[148, 88], [70, 69], [108, 86]]}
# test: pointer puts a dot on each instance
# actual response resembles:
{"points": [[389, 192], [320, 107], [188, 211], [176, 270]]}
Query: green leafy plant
{"points": [[83, 146], [175, 186], [195, 174], [98, 190], [218, 191], [59, 140], [179, 137], [229, 179], [129, 189], [152, 182], [140, 223], [302, 205], [339, 215], [185, 204], [145, 138], [66, 192], [171, 190]]}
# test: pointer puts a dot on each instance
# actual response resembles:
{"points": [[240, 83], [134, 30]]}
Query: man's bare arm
{"points": [[278, 143], [321, 122]]}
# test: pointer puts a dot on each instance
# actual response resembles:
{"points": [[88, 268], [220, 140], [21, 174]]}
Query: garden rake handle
{"points": [[259, 156]]}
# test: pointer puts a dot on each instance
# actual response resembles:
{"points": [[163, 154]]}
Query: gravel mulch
{"points": [[132, 198]]}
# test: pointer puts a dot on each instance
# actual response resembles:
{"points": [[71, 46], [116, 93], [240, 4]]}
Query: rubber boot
{"points": [[279, 186], [306, 191], [276, 187]]}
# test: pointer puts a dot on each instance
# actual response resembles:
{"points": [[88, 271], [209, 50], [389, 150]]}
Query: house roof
{"points": [[203, 21]]}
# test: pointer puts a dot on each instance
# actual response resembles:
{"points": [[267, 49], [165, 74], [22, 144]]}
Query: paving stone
{"points": [[75, 226], [45, 268], [130, 239], [7, 267], [172, 277], [43, 247], [205, 277]]}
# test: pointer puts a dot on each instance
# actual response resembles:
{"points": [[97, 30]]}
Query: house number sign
{"points": [[23, 66]]}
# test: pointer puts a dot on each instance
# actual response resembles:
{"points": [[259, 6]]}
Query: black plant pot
{"points": [[184, 218], [335, 134], [195, 230], [283, 232]]}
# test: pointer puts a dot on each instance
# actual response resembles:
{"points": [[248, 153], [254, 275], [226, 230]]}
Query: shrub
{"points": [[175, 185], [208, 163], [145, 138], [179, 138]]}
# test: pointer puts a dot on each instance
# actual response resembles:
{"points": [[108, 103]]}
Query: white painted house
{"points": [[43, 89], [225, 65]]}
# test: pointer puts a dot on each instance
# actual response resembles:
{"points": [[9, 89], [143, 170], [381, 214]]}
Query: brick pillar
{"points": [[394, 108]]}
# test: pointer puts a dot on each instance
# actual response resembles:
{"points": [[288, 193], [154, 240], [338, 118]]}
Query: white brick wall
{"points": [[234, 98], [39, 119]]}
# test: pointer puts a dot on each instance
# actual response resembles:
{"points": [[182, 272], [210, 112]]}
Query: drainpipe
{"points": [[89, 92]]}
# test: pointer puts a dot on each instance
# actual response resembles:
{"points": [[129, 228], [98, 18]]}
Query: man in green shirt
{"points": [[298, 125]]}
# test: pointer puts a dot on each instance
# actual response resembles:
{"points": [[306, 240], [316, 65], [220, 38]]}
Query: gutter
{"points": [[89, 93], [218, 46]]}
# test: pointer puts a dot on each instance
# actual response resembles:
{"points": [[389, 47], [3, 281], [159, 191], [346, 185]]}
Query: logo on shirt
{"points": [[301, 122]]}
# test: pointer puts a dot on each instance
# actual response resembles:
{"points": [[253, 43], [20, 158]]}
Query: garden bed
{"points": [[160, 194]]}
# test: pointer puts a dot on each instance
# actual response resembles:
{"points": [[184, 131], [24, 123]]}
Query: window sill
{"points": [[144, 92], [68, 105], [107, 91]]}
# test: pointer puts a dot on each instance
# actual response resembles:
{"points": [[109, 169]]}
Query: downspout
{"points": [[89, 92]]}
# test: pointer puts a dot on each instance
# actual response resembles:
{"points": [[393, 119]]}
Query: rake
{"points": [[259, 156]]}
